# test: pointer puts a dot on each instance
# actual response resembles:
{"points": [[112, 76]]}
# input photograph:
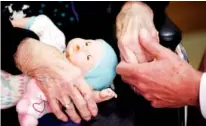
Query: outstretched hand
{"points": [[167, 81]]}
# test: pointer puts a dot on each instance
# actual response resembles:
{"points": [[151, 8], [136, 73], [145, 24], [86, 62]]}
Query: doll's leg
{"points": [[104, 95], [22, 106], [27, 120]]}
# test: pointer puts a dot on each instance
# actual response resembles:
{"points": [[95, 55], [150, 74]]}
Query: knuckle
{"points": [[87, 94], [89, 98]]}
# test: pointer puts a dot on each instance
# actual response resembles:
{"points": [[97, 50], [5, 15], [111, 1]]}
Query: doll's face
{"points": [[84, 53]]}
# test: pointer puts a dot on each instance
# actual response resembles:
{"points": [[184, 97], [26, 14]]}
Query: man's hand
{"points": [[62, 83], [168, 81], [132, 18]]}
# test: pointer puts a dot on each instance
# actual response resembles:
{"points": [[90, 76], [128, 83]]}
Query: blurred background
{"points": [[190, 17]]}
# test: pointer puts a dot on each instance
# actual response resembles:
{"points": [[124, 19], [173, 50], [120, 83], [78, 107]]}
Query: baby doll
{"points": [[96, 59]]}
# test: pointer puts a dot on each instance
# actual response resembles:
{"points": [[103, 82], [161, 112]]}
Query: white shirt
{"points": [[202, 95]]}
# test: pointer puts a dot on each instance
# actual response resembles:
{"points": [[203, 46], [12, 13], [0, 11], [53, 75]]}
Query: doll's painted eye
{"points": [[87, 43], [89, 57]]}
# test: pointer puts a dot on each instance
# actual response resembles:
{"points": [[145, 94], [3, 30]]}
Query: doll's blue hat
{"points": [[103, 73]]}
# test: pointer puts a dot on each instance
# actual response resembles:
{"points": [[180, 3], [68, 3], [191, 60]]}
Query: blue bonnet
{"points": [[103, 73]]}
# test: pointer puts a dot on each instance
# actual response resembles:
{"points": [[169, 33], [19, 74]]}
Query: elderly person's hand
{"points": [[168, 81], [62, 83], [132, 18]]}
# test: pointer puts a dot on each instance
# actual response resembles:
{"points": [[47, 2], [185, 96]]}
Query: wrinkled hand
{"points": [[61, 82], [133, 17], [168, 81]]}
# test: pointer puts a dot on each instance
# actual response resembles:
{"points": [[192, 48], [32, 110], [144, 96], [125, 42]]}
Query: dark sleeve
{"points": [[10, 39]]}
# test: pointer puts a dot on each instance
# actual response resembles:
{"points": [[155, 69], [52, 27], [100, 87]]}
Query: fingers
{"points": [[70, 110], [153, 48], [126, 53], [136, 47], [57, 111], [87, 93], [81, 105], [127, 69]]}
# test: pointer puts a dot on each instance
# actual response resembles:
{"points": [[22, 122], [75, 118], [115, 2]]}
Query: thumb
{"points": [[125, 69], [154, 48]]}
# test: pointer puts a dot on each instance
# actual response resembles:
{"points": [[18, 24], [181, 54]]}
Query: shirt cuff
{"points": [[30, 21], [202, 95]]}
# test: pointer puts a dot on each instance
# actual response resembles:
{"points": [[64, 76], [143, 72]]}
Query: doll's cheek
{"points": [[78, 58]]}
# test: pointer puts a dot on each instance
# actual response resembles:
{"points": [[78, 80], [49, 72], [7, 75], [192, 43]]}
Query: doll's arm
{"points": [[46, 30], [104, 95], [20, 23]]}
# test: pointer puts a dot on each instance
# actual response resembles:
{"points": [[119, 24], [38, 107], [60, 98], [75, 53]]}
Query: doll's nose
{"points": [[77, 48]]}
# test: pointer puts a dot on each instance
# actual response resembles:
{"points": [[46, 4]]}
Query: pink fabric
{"points": [[32, 106], [12, 89]]}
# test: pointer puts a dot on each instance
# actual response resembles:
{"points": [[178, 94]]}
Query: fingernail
{"points": [[78, 121], [94, 111], [88, 118], [65, 120]]}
